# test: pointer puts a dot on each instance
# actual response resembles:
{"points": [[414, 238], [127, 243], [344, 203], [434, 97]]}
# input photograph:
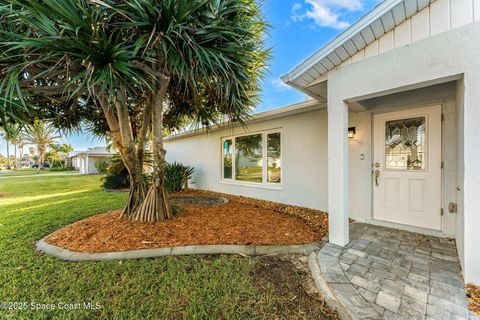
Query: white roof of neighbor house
{"points": [[97, 151], [383, 18]]}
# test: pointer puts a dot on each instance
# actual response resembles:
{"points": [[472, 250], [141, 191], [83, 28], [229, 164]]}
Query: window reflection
{"points": [[227, 159], [274, 166], [248, 158]]}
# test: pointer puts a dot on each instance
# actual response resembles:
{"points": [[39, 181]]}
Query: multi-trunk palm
{"points": [[126, 67]]}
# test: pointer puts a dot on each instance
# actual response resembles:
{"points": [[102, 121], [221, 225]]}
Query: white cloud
{"points": [[279, 85], [326, 13]]}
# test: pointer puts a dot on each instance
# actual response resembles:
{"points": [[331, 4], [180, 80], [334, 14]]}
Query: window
{"points": [[405, 144], [253, 158], [273, 156], [227, 159], [249, 158]]}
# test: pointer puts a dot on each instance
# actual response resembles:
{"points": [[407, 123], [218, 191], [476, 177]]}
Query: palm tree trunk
{"points": [[15, 163], [41, 157], [8, 155], [21, 154], [138, 186], [155, 205]]}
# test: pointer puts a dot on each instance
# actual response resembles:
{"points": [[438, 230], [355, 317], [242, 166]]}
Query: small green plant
{"points": [[102, 166], [176, 175]]}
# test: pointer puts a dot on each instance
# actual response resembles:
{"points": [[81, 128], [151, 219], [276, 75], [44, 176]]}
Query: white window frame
{"points": [[264, 183]]}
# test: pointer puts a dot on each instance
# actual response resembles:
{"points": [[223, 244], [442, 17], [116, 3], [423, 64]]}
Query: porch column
{"points": [[471, 176], [338, 179]]}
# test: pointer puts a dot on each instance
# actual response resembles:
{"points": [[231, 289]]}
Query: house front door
{"points": [[407, 174]]}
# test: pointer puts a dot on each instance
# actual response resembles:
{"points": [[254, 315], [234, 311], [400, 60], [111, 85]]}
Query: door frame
{"points": [[396, 225]]}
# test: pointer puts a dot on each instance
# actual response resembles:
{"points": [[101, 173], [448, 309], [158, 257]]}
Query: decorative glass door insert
{"points": [[405, 145]]}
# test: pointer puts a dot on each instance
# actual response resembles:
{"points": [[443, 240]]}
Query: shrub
{"points": [[58, 164], [102, 166], [58, 169], [176, 175], [116, 181]]}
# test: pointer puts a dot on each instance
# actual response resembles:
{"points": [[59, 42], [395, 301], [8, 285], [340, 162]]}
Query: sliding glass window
{"points": [[253, 158]]}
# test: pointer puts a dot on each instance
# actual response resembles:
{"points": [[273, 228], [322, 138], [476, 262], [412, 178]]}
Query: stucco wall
{"points": [[304, 160], [360, 170]]}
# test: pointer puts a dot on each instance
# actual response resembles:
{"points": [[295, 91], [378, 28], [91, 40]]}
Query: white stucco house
{"points": [[84, 161], [390, 133]]}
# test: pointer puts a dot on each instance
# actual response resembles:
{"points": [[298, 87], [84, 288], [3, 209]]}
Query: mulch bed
{"points": [[197, 200], [473, 295], [241, 221], [316, 219]]}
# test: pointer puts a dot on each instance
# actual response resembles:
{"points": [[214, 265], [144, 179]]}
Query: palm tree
{"points": [[21, 145], [63, 150], [41, 135], [17, 140], [135, 63], [6, 136]]}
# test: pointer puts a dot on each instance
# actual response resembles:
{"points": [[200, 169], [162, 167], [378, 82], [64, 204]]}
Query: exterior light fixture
{"points": [[351, 132]]}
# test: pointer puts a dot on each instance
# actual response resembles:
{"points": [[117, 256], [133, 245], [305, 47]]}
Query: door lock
{"points": [[377, 175]]}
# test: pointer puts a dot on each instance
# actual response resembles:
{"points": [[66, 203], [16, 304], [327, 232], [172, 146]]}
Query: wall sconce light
{"points": [[351, 132]]}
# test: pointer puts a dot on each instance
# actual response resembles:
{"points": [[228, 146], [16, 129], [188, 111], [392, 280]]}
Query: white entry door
{"points": [[407, 174]]}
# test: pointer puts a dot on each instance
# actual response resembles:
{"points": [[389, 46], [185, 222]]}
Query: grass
{"points": [[163, 288], [31, 172]]}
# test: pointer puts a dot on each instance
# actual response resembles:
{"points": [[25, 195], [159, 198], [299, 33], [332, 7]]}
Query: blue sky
{"points": [[299, 28]]}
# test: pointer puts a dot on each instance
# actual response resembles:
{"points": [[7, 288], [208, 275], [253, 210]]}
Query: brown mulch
{"points": [[473, 295], [197, 200], [293, 295], [5, 195], [241, 221], [316, 219]]}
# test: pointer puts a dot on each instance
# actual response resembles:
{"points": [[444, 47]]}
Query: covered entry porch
{"points": [[411, 77]]}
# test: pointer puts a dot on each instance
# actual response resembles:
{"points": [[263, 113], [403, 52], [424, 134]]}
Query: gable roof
{"points": [[382, 19]]}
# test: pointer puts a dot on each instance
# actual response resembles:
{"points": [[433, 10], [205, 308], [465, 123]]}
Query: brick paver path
{"points": [[394, 274]]}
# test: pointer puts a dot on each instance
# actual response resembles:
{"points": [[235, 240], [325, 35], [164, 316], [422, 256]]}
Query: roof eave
{"points": [[344, 37]]}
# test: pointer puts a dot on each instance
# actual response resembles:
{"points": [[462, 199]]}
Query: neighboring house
{"points": [[84, 161], [404, 84]]}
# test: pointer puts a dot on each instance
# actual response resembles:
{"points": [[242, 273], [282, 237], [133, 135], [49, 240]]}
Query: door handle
{"points": [[377, 175]]}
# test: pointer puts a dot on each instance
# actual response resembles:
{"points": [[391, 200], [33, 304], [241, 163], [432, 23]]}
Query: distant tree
{"points": [[16, 139], [62, 150], [5, 134], [53, 157], [41, 135], [3, 160]]}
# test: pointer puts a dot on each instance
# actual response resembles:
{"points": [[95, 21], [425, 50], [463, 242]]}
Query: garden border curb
{"points": [[246, 250]]}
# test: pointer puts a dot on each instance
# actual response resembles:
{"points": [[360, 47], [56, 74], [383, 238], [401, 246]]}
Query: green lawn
{"points": [[163, 288], [31, 171]]}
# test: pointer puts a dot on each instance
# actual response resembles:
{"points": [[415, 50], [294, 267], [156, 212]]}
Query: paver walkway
{"points": [[393, 274]]}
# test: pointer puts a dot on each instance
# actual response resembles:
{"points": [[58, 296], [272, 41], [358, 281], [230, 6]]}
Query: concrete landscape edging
{"points": [[247, 250]]}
